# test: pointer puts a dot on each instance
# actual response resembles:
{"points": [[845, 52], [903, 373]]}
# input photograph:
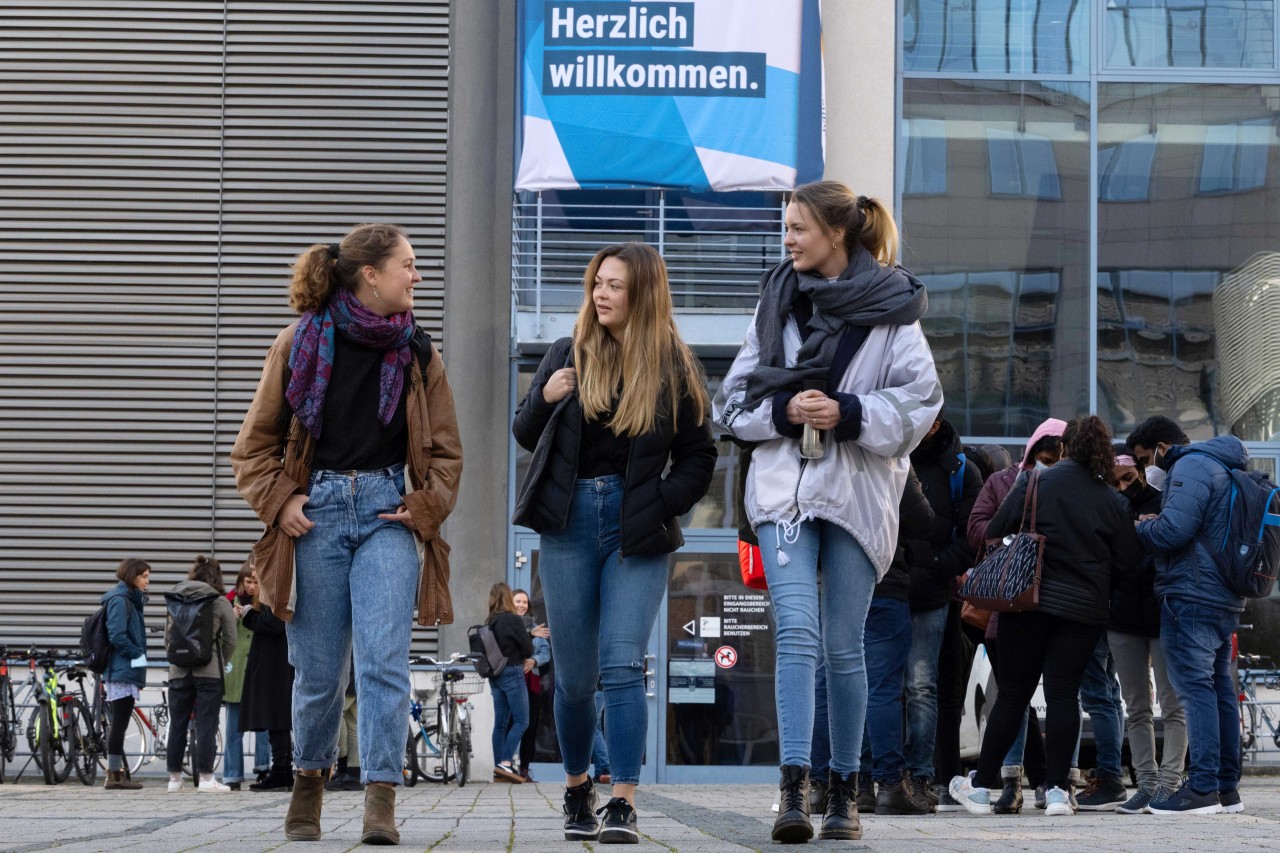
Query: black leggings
{"points": [[1031, 645], [120, 711], [1033, 751]]}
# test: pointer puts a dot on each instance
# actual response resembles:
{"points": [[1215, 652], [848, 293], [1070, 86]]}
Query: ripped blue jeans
{"points": [[600, 609]]}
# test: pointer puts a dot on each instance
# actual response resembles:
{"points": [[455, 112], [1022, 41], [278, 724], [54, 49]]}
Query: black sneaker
{"points": [[1187, 800], [1231, 803], [1102, 794], [1137, 804], [619, 823], [580, 822]]}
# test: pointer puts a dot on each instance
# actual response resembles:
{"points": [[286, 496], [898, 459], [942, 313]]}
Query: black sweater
{"points": [[512, 636], [1135, 607], [943, 553], [1089, 537], [651, 503]]}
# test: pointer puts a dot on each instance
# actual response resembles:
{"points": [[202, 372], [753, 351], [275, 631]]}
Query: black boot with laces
{"points": [[792, 825], [619, 823], [841, 823], [580, 822]]}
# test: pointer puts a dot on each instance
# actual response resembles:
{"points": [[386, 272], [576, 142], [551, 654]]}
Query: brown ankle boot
{"points": [[118, 780], [380, 815], [302, 823]]}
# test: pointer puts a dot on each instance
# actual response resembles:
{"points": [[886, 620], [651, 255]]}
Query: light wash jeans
{"points": [[601, 608], [1136, 658], [848, 578], [233, 751], [927, 628], [357, 579], [510, 712]]}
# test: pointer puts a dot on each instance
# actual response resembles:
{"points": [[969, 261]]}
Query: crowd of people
{"points": [[867, 507]]}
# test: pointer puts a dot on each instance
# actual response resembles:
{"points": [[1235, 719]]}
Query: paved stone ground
{"points": [[495, 817]]}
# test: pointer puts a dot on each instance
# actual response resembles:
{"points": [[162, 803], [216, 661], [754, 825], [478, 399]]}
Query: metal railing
{"points": [[715, 253]]}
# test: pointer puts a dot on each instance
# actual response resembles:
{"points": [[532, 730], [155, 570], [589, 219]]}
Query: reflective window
{"points": [[925, 169], [1005, 249], [1189, 34], [995, 36], [1124, 169], [1189, 276]]}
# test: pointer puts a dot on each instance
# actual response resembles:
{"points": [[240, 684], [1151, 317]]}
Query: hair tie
{"points": [[863, 202], [333, 249]]}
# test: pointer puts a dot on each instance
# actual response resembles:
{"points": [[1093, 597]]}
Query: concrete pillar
{"points": [[477, 297], [860, 54]]}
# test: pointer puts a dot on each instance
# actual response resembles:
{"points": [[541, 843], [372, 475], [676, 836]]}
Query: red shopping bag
{"points": [[751, 566]]}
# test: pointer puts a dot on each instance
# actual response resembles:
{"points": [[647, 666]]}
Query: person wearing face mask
{"points": [[1155, 433], [1133, 636]]}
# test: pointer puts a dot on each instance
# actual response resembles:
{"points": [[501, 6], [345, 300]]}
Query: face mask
{"points": [[1155, 477], [1040, 466], [1133, 491]]}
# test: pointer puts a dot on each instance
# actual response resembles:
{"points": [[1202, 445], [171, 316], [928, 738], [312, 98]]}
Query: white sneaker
{"points": [[175, 785], [211, 785], [1057, 804], [975, 800]]}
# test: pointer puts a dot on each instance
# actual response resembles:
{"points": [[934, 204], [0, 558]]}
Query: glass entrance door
{"points": [[709, 672]]}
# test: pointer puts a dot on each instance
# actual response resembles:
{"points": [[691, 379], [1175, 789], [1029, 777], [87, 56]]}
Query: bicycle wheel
{"points": [[41, 739], [409, 770], [464, 752], [427, 758], [135, 742], [8, 729], [79, 733], [449, 747]]}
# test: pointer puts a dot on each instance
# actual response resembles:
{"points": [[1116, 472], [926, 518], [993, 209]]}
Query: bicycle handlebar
{"points": [[456, 657]]}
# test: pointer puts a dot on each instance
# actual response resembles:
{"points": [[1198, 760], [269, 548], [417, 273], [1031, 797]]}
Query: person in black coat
{"points": [[1089, 536], [510, 698], [1134, 638], [267, 701]]}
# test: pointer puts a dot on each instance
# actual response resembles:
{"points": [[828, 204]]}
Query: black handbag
{"points": [[1008, 579]]}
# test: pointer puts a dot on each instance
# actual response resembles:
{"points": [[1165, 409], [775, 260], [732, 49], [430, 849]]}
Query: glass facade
{"points": [[1098, 232]]}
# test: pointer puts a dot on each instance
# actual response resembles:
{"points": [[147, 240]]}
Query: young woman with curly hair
{"points": [[1089, 536]]}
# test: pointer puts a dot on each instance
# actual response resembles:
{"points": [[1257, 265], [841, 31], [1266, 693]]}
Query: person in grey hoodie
{"points": [[199, 689], [841, 314]]}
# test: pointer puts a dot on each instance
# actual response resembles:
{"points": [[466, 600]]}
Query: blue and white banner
{"points": [[696, 95]]}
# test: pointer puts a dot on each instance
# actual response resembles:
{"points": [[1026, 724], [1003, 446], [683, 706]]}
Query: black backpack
{"points": [[489, 659], [95, 646], [189, 640], [1249, 554]]}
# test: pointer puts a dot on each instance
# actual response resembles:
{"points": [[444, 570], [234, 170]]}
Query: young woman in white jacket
{"points": [[835, 347]]}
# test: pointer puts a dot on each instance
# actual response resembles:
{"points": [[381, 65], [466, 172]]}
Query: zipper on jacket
{"points": [[804, 463]]}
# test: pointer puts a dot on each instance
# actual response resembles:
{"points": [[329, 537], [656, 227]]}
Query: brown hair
{"points": [[1088, 441], [652, 365], [208, 570], [864, 220], [130, 569], [500, 600], [317, 274], [246, 569]]}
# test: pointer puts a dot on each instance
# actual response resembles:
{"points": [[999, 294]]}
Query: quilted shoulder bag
{"points": [[1008, 579]]}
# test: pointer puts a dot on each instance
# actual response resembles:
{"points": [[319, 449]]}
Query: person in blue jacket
{"points": [[126, 672], [1198, 615]]}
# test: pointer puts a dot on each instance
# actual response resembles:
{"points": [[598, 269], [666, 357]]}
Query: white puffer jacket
{"points": [[856, 484]]}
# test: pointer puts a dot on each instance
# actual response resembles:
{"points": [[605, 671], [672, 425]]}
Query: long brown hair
{"points": [[317, 274], [1088, 441], [864, 220], [500, 600], [652, 365]]}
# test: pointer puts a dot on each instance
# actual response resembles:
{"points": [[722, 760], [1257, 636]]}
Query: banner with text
{"points": [[696, 95]]}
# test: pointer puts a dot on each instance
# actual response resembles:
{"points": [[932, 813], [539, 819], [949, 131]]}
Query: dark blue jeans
{"points": [[1196, 641], [1100, 697], [510, 712]]}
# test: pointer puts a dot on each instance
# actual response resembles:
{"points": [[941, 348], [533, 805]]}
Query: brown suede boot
{"points": [[302, 823], [118, 780], [380, 815]]}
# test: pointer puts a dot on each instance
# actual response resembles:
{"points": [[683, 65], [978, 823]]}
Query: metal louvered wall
{"points": [[161, 164]]}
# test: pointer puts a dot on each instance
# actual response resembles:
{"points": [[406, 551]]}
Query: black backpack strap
{"points": [[420, 343]]}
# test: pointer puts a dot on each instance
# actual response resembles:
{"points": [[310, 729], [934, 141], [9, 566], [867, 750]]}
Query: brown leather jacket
{"points": [[272, 460]]}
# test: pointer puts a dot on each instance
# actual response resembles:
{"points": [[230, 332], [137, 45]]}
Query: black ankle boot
{"points": [[866, 793], [792, 825], [841, 820], [1010, 801]]}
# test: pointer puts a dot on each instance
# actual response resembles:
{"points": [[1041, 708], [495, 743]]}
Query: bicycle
{"points": [[1256, 714], [56, 731], [10, 725], [447, 757]]}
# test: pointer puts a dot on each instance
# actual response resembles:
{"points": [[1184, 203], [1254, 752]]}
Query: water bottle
{"points": [[811, 444]]}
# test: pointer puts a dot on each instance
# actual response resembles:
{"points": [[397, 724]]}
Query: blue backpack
{"points": [[1249, 554]]}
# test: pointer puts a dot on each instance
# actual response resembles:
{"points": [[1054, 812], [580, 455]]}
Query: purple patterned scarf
{"points": [[311, 358]]}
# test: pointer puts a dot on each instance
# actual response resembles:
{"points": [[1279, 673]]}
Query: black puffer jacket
{"points": [[938, 558], [915, 519], [1135, 608], [651, 503], [1089, 538]]}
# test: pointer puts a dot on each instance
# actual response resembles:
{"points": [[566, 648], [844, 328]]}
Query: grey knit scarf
{"points": [[865, 294]]}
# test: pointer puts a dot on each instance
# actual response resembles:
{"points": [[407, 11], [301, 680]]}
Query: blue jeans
{"points": [[848, 578], [233, 748], [510, 712], [601, 608], [927, 628], [1196, 641], [600, 749], [357, 579], [1100, 697]]}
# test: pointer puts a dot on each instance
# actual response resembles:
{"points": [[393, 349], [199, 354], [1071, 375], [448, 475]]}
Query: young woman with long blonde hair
{"points": [[608, 409]]}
